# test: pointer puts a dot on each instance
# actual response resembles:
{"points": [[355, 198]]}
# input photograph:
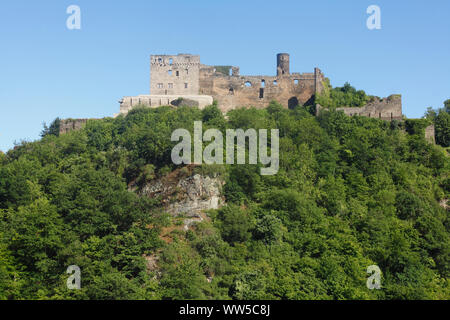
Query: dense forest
{"points": [[351, 192]]}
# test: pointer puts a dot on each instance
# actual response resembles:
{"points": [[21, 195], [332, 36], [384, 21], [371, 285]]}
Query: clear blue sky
{"points": [[48, 71]]}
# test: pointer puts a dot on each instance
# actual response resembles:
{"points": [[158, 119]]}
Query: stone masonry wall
{"points": [[154, 101], [183, 74], [388, 109], [234, 91], [430, 134], [174, 74], [67, 125]]}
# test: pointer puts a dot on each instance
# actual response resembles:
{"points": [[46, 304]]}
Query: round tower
{"points": [[282, 64]]}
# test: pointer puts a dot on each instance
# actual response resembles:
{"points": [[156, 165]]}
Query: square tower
{"points": [[173, 75]]}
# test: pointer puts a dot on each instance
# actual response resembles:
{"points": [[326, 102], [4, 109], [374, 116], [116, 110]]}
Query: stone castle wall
{"points": [[174, 75], [234, 91], [154, 101], [388, 109], [183, 75], [430, 134], [67, 125]]}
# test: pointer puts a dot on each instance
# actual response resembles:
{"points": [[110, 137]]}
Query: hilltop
{"points": [[351, 192]]}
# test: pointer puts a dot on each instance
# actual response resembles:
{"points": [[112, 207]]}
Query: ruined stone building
{"points": [[387, 109], [67, 125], [183, 76], [183, 80]]}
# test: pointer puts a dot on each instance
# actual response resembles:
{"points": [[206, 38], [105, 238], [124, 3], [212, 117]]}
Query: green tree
{"points": [[53, 129], [442, 127]]}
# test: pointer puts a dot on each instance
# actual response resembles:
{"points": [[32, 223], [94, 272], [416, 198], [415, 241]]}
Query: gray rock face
{"points": [[202, 193], [444, 204], [187, 196]]}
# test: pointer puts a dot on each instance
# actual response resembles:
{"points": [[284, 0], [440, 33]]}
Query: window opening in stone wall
{"points": [[293, 102], [248, 84], [263, 83], [160, 86], [170, 85], [185, 85], [275, 82], [231, 92], [178, 73], [169, 72], [170, 61], [296, 81], [261, 93]]}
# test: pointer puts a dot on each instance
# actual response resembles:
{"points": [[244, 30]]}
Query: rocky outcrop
{"points": [[444, 204], [188, 194]]}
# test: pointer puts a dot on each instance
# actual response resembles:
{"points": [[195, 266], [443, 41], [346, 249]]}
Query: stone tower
{"points": [[282, 64], [174, 74]]}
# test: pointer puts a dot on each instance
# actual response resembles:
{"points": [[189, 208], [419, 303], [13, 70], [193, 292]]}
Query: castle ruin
{"points": [[387, 109], [182, 79], [182, 76]]}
